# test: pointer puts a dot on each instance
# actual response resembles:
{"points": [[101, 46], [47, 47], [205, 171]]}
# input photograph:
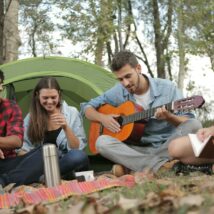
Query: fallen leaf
{"points": [[53, 208], [208, 186], [77, 209], [174, 191], [210, 210], [33, 209], [171, 201], [165, 182], [101, 209], [5, 211], [94, 195], [40, 209], [192, 200], [151, 200], [26, 210], [109, 199], [127, 204], [194, 212], [88, 209], [9, 187], [191, 188], [142, 177]]}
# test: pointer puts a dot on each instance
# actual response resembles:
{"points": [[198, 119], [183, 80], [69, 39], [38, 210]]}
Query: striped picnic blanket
{"points": [[51, 194]]}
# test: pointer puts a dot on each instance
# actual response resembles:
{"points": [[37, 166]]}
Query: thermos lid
{"points": [[49, 150]]}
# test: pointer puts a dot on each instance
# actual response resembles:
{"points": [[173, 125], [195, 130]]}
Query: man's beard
{"points": [[134, 88]]}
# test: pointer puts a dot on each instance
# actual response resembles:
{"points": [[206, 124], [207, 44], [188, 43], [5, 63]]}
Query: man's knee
{"points": [[102, 143], [194, 124], [75, 157], [190, 126]]}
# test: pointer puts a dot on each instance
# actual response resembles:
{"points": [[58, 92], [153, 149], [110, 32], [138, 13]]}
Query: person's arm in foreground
{"points": [[14, 131]]}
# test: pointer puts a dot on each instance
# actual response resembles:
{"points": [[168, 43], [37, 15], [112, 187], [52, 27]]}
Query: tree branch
{"points": [[168, 24], [129, 25], [8, 6], [146, 62]]}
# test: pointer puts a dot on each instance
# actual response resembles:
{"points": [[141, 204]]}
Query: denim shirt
{"points": [[162, 92], [74, 120]]}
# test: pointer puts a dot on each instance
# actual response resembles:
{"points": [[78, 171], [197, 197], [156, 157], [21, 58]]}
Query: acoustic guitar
{"points": [[132, 119]]}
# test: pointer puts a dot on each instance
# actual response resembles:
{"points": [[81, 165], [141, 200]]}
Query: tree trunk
{"points": [[120, 25], [104, 21], [1, 29], [212, 61], [161, 36], [144, 58], [181, 49], [99, 52], [11, 34], [210, 52], [32, 41], [158, 39]]}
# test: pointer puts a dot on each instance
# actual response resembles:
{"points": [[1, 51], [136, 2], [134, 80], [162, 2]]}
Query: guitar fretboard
{"points": [[143, 114]]}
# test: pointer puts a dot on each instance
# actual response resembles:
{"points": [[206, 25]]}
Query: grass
{"points": [[164, 193]]}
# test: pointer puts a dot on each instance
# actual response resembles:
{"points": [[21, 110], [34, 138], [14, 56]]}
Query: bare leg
{"points": [[181, 149]]}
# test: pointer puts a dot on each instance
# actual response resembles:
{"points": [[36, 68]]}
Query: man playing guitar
{"points": [[151, 150]]}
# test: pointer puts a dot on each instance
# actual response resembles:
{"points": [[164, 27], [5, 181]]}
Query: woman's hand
{"points": [[59, 119], [205, 132], [1, 154], [21, 152]]}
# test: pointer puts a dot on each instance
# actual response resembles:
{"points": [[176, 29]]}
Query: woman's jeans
{"points": [[29, 168]]}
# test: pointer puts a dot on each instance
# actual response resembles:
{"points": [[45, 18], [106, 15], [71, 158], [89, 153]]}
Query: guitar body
{"points": [[131, 130]]}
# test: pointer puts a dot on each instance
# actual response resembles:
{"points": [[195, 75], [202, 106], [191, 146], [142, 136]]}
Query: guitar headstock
{"points": [[188, 103]]}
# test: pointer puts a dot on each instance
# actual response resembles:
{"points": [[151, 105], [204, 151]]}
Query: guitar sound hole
{"points": [[119, 120]]}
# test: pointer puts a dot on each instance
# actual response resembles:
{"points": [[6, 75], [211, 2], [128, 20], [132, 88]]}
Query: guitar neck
{"points": [[144, 114]]}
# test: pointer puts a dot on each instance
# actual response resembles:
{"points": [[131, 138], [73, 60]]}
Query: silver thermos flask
{"points": [[51, 165]]}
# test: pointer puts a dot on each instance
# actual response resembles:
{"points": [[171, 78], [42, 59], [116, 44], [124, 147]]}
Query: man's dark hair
{"points": [[123, 58], [1, 75]]}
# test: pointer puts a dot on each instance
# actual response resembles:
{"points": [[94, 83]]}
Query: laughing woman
{"points": [[51, 120]]}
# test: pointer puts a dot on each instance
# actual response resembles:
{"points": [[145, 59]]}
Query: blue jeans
{"points": [[28, 168]]}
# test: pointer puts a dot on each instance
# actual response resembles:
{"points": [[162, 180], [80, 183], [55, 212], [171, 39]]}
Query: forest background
{"points": [[172, 39]]}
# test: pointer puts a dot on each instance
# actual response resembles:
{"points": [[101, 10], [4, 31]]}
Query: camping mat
{"points": [[35, 195]]}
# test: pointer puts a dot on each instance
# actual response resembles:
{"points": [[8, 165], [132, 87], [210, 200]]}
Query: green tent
{"points": [[79, 80]]}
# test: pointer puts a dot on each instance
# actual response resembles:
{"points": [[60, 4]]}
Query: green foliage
{"points": [[35, 19], [199, 33], [89, 23], [100, 28], [208, 123], [199, 25]]}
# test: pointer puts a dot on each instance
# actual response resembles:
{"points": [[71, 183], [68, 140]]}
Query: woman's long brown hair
{"points": [[38, 124]]}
